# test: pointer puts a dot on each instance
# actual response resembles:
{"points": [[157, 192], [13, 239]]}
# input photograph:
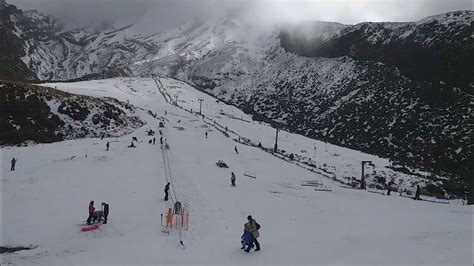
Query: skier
{"points": [[236, 151], [153, 141], [106, 211], [206, 134], [13, 163], [91, 212], [253, 228], [232, 179], [107, 145], [161, 140], [417, 193], [167, 188]]}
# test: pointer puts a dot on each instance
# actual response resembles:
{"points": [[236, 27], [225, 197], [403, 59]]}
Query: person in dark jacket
{"points": [[236, 151], [91, 212], [417, 193], [167, 188], [107, 145], [106, 212], [252, 225], [13, 163], [232, 179], [154, 141]]}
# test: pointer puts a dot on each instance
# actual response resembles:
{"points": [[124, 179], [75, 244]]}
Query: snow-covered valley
{"points": [[45, 200]]}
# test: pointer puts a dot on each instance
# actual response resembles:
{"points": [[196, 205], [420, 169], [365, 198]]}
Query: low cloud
{"points": [[162, 14]]}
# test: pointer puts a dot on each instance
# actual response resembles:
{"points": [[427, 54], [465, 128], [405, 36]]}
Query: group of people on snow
{"points": [[98, 216]]}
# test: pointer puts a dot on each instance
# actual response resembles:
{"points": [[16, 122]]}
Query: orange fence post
{"points": [[169, 219]]}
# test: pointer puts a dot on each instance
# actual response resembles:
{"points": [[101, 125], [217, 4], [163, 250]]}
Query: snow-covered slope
{"points": [[396, 90], [46, 199], [30, 113]]}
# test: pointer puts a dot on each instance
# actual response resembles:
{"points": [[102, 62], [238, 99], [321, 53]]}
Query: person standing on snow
{"points": [[232, 179], [236, 151], [167, 188], [253, 228], [154, 140], [107, 145], [417, 193], [91, 212], [246, 238], [13, 163], [106, 212], [206, 134]]}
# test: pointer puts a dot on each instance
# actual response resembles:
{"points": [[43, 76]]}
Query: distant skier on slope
{"points": [[417, 193], [107, 145], [13, 163], [232, 179], [154, 140], [91, 212], [236, 150], [205, 134], [253, 228], [167, 188]]}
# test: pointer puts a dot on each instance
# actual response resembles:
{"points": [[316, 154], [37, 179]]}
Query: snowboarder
{"points": [[253, 228], [106, 211], [232, 179], [13, 163], [154, 141], [107, 145], [91, 212], [167, 188], [417, 193], [246, 238], [235, 149]]}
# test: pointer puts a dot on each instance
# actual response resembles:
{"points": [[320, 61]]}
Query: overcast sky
{"points": [[172, 12]]}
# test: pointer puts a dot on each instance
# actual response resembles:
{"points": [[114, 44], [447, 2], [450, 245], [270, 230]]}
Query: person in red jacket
{"points": [[91, 211]]}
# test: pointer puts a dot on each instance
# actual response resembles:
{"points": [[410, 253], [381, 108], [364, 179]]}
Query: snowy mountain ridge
{"points": [[397, 90]]}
